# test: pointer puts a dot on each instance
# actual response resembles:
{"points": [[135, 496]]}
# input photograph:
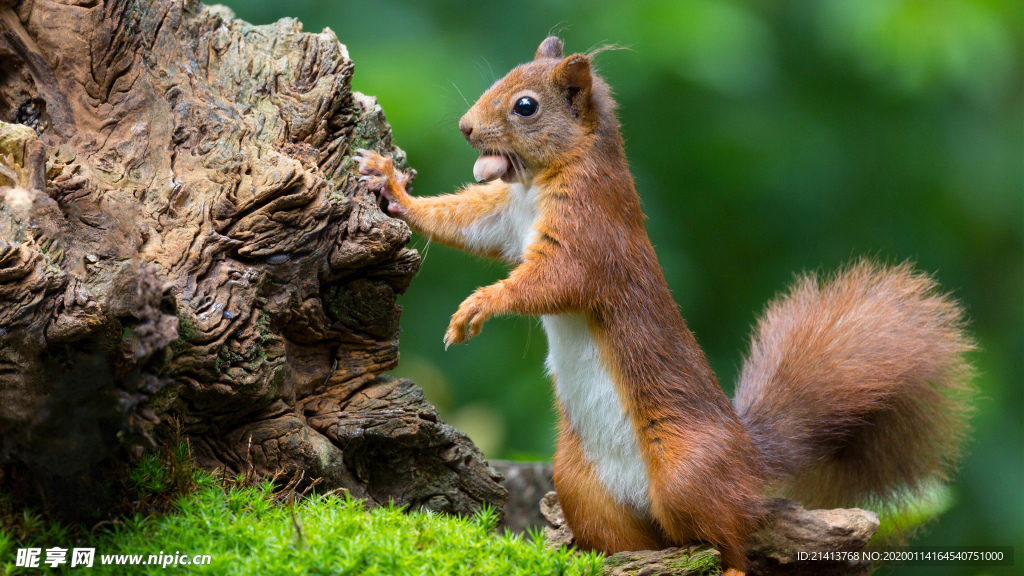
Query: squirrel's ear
{"points": [[574, 72], [551, 47]]}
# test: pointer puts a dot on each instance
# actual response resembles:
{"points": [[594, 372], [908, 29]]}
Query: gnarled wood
{"points": [[182, 239]]}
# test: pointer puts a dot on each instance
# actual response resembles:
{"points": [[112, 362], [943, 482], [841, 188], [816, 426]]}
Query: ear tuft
{"points": [[551, 47], [574, 72]]}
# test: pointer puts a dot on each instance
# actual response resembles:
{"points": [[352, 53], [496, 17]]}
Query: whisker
{"points": [[444, 119], [461, 94], [512, 162], [426, 250], [493, 79], [520, 165]]}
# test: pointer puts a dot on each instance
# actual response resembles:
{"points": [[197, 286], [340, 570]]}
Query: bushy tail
{"points": [[856, 388]]}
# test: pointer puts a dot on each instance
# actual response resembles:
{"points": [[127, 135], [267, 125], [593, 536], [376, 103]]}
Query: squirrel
{"points": [[855, 389]]}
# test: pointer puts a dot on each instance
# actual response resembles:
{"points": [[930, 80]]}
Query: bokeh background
{"points": [[766, 138]]}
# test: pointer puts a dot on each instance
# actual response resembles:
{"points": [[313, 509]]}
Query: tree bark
{"points": [[183, 244]]}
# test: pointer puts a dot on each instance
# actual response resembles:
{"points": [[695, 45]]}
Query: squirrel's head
{"points": [[535, 117]]}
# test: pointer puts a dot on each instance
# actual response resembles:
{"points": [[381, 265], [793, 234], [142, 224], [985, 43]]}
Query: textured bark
{"points": [[695, 560], [791, 530], [182, 240]]}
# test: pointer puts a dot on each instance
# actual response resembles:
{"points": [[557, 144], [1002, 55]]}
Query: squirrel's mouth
{"points": [[494, 164]]}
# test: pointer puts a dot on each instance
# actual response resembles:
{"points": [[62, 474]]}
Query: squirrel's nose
{"points": [[467, 129]]}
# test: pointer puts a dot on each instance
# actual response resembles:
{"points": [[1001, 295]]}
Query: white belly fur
{"points": [[595, 410], [584, 386], [509, 230]]}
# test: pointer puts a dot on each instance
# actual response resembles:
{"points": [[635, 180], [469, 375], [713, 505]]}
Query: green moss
{"points": [[149, 476], [702, 560], [186, 328], [336, 302], [696, 560], [246, 530], [362, 304], [262, 325], [229, 356]]}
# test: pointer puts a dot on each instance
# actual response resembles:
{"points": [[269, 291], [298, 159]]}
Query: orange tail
{"points": [[856, 388]]}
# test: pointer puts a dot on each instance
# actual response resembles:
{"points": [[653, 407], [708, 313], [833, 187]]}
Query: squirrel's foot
{"points": [[733, 572], [380, 175], [467, 320]]}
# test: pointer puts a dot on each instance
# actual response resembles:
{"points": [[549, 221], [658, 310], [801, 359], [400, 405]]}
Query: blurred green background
{"points": [[766, 138]]}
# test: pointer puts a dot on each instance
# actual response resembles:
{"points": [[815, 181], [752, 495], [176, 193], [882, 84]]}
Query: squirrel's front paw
{"points": [[380, 175], [375, 168], [467, 320]]}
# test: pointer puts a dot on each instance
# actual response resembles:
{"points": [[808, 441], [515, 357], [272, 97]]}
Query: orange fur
{"points": [[598, 521], [442, 218], [854, 388]]}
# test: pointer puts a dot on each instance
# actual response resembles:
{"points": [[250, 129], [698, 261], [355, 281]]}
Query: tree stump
{"points": [[183, 244]]}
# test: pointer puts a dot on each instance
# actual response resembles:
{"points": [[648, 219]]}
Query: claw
{"points": [[454, 335], [378, 173]]}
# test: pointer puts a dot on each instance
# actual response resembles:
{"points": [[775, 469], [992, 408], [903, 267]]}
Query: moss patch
{"points": [[246, 530]]}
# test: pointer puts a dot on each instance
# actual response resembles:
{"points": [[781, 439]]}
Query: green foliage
{"points": [[259, 529]]}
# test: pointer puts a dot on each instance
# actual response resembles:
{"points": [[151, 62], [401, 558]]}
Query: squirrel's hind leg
{"points": [[707, 488], [598, 521]]}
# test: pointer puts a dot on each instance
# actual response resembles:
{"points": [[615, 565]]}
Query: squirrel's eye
{"points": [[525, 107]]}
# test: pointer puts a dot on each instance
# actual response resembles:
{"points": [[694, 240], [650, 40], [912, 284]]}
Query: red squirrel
{"points": [[854, 390]]}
